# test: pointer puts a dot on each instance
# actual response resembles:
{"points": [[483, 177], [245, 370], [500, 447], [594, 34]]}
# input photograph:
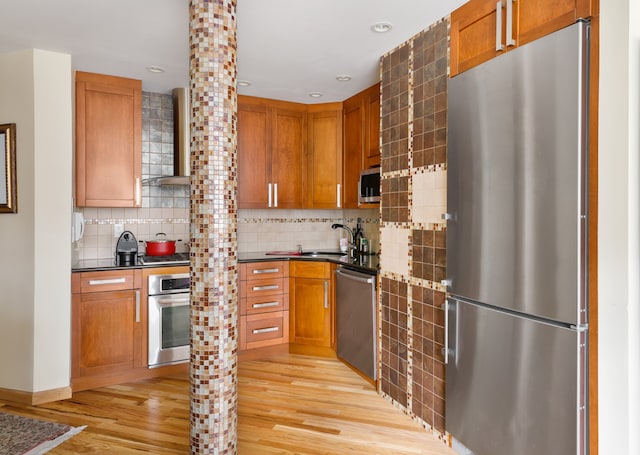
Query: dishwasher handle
{"points": [[355, 276]]}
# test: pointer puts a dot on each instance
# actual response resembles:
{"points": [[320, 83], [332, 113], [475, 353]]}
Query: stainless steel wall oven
{"points": [[169, 321]]}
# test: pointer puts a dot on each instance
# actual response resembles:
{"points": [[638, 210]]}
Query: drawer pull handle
{"points": [[107, 281], [265, 330], [266, 304], [265, 288], [259, 271]]}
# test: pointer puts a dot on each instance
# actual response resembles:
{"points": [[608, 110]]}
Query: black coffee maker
{"points": [[127, 250]]}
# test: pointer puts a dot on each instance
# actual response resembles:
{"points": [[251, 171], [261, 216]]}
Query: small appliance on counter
{"points": [[127, 250]]}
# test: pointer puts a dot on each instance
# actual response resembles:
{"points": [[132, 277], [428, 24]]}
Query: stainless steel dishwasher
{"points": [[356, 316]]}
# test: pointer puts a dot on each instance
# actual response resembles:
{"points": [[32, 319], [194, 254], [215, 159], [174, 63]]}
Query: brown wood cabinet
{"points": [[107, 333], [324, 156], [272, 161], [109, 320], [311, 326], [361, 140], [481, 30], [264, 304], [108, 141]]}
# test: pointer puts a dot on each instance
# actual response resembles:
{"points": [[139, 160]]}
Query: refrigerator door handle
{"points": [[447, 351]]}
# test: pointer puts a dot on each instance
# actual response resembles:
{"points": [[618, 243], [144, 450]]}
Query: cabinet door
{"points": [[325, 159], [106, 335], [310, 311], [354, 132], [108, 141], [537, 18], [371, 156], [288, 163], [473, 34], [254, 156]]}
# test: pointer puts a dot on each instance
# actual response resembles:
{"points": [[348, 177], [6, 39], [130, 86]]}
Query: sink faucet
{"points": [[352, 241]]}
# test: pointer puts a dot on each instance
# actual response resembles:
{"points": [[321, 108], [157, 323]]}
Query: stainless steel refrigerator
{"points": [[516, 316]]}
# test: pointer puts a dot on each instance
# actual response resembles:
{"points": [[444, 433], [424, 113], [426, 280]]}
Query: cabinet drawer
{"points": [[264, 304], [116, 280], [263, 327], [311, 269], [267, 286], [260, 270]]}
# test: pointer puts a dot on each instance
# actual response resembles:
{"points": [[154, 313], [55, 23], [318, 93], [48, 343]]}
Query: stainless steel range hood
{"points": [[181, 142]]}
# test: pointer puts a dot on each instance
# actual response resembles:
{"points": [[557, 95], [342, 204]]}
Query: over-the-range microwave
{"points": [[369, 186]]}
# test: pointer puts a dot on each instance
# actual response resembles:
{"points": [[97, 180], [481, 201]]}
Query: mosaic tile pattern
{"points": [[413, 235], [214, 270]]}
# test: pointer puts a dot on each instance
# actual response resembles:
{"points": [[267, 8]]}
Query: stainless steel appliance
{"points": [[516, 321], [169, 321], [369, 186], [174, 259], [356, 320]]}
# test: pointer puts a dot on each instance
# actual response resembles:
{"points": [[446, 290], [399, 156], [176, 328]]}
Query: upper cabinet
{"points": [[361, 139], [108, 141], [271, 153], [483, 29], [293, 155], [325, 156]]}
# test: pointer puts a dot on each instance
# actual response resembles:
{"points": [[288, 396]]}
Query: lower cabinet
{"points": [[264, 305], [311, 325], [107, 333], [109, 330]]}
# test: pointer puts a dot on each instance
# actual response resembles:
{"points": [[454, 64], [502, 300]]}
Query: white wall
{"points": [[619, 228], [35, 265]]}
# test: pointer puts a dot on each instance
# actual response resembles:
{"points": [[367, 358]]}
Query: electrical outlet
{"points": [[118, 229]]}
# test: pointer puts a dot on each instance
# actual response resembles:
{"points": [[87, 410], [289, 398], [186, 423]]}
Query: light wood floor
{"points": [[289, 404]]}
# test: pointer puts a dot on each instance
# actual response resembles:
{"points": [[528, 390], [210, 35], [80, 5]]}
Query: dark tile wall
{"points": [[429, 255], [394, 112], [395, 199], [394, 340], [430, 96], [428, 362], [414, 140]]}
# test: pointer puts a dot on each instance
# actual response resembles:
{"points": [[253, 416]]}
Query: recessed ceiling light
{"points": [[155, 69], [381, 27], [243, 83], [315, 94], [343, 78]]}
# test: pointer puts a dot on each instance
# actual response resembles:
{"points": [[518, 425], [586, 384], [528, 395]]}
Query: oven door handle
{"points": [[171, 301]]}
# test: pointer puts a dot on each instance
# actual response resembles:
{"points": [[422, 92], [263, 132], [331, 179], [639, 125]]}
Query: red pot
{"points": [[160, 247]]}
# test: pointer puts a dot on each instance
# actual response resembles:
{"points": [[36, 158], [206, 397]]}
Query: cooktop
{"points": [[177, 258]]}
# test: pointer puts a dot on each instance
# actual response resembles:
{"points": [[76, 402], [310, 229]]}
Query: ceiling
{"points": [[286, 48]]}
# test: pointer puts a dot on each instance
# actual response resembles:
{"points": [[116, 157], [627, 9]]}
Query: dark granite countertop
{"points": [[367, 263]]}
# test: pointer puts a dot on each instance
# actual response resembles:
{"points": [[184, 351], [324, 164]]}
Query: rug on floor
{"points": [[25, 436]]}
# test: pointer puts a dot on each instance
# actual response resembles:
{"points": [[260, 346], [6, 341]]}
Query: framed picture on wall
{"points": [[8, 190]]}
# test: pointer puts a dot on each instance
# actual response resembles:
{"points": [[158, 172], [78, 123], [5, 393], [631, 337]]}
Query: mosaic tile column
{"points": [[214, 297]]}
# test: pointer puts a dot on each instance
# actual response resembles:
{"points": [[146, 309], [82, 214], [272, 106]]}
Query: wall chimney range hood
{"points": [[181, 142]]}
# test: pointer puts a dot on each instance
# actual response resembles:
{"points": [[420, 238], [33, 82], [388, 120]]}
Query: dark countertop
{"points": [[367, 264]]}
